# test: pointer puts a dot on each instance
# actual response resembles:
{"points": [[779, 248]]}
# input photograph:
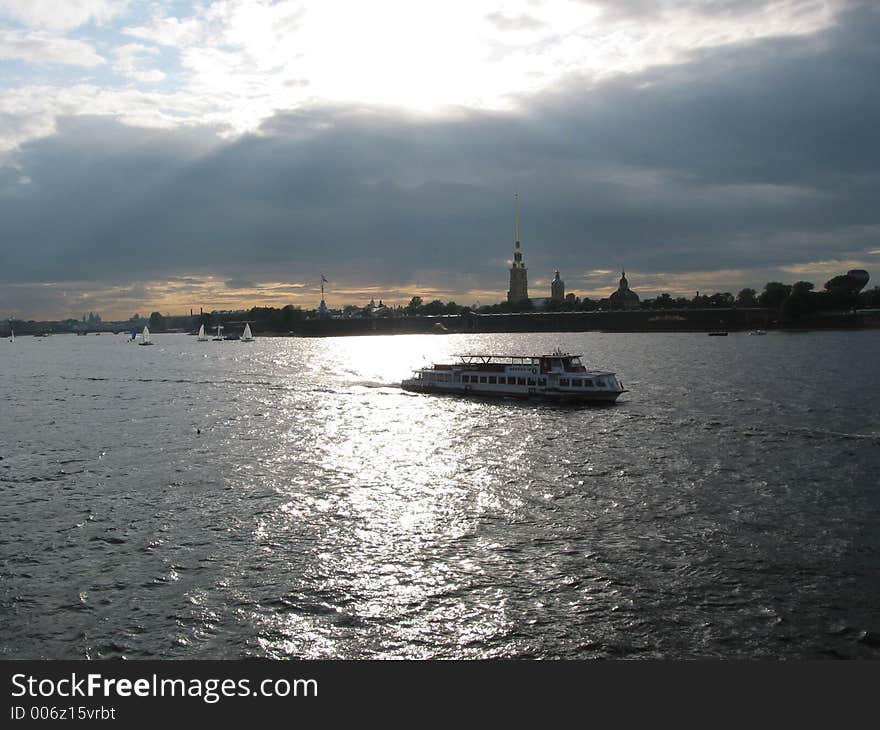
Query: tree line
{"points": [[791, 300]]}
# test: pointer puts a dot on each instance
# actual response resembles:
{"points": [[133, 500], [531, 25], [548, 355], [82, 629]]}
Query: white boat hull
{"points": [[592, 396]]}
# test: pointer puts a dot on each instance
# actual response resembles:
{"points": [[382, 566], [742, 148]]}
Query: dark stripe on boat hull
{"points": [[598, 397]]}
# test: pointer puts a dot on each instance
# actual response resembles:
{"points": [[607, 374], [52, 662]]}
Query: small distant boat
{"points": [[217, 337], [134, 334], [719, 333], [11, 335], [202, 336], [246, 335], [758, 332], [145, 337]]}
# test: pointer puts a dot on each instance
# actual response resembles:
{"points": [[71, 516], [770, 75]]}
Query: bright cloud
{"points": [[32, 111], [235, 63], [60, 15], [130, 60], [171, 31], [42, 49], [249, 58], [830, 267]]}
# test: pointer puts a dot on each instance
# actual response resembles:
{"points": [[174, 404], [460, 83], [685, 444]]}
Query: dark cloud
{"points": [[759, 154], [648, 10], [9, 182]]}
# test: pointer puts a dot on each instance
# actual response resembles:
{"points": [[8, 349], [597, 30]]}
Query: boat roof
{"points": [[486, 357]]}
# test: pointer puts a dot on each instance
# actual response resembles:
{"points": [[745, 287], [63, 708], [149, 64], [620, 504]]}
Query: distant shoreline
{"points": [[639, 321], [732, 319]]}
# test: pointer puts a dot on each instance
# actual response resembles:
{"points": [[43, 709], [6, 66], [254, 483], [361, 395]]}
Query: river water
{"points": [[285, 498]]}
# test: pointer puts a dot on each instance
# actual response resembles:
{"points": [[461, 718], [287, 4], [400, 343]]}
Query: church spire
{"points": [[517, 251], [519, 290], [516, 217]]}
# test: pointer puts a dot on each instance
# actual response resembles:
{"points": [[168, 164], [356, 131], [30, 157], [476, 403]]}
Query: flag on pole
{"points": [[324, 279]]}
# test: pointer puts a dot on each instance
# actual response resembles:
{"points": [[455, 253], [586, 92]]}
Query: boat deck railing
{"points": [[470, 358]]}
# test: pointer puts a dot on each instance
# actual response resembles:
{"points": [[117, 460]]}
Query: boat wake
{"points": [[375, 385], [823, 434]]}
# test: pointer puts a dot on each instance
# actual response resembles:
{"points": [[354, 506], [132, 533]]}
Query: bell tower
{"points": [[519, 286]]}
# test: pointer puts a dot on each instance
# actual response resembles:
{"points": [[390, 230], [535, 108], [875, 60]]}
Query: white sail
{"points": [[145, 337], [247, 337], [202, 336]]}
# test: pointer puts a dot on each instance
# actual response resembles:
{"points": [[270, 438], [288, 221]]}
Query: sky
{"points": [[168, 155]]}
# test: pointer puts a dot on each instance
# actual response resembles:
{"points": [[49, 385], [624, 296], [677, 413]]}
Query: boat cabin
{"points": [[518, 375]]}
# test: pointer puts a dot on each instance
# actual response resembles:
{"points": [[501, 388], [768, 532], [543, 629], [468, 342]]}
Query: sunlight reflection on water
{"points": [[393, 499]]}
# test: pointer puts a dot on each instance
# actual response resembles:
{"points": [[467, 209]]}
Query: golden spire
{"points": [[516, 217]]}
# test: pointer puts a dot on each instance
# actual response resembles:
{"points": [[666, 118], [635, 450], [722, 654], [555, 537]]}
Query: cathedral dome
{"points": [[624, 297]]}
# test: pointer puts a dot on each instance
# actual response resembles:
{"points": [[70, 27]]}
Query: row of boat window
{"points": [[502, 380], [511, 380], [576, 383]]}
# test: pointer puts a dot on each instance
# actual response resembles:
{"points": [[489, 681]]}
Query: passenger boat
{"points": [[559, 376]]}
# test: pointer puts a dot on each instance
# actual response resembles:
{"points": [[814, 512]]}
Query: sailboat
{"points": [[11, 335], [134, 334], [202, 336], [247, 336], [217, 337], [145, 337]]}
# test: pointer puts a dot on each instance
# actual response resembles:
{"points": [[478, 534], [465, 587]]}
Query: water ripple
{"points": [[293, 501]]}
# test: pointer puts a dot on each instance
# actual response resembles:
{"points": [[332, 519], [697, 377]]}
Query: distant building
{"points": [[379, 310], [624, 297], [322, 311], [557, 289], [519, 286]]}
